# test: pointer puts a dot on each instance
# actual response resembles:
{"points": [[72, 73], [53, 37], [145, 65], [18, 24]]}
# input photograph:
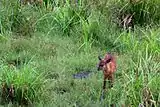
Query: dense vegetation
{"points": [[43, 45]]}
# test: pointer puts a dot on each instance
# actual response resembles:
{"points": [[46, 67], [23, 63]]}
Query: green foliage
{"points": [[144, 11], [14, 19], [27, 84], [65, 39]]}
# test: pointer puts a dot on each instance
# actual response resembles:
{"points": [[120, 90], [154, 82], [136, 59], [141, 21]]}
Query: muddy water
{"points": [[82, 74]]}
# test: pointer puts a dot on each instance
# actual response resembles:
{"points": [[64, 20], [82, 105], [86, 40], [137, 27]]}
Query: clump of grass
{"points": [[132, 42], [20, 24], [21, 86], [144, 70], [86, 36], [140, 12], [146, 11], [14, 19]]}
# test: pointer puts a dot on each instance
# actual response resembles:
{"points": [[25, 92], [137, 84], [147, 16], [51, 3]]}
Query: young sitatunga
{"points": [[108, 66]]}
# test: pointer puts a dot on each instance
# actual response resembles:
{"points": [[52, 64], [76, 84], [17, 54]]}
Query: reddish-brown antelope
{"points": [[108, 65]]}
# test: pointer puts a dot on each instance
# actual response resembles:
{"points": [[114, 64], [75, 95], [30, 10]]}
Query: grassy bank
{"points": [[42, 46]]}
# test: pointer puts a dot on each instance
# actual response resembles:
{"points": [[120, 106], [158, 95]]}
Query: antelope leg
{"points": [[103, 90], [111, 81]]}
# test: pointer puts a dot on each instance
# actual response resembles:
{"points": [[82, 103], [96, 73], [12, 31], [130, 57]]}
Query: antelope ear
{"points": [[99, 58]]}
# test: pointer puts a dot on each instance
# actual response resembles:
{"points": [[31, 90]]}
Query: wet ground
{"points": [[82, 74]]}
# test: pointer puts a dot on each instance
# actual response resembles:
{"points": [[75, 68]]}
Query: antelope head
{"points": [[103, 62], [100, 64]]}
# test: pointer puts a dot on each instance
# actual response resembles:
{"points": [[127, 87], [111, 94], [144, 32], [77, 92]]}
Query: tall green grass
{"points": [[64, 38], [27, 85]]}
